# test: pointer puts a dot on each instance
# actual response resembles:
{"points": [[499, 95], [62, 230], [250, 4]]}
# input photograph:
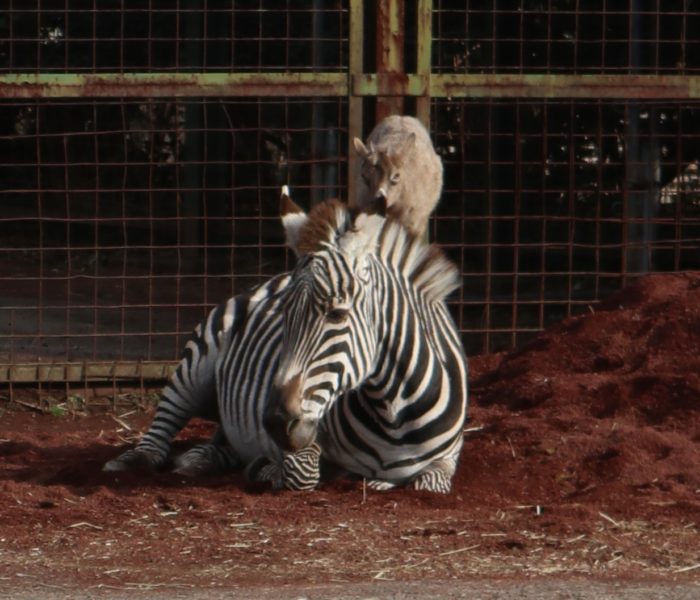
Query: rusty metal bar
{"points": [[88, 372], [355, 108], [390, 58], [424, 57], [565, 86], [656, 87], [158, 85]]}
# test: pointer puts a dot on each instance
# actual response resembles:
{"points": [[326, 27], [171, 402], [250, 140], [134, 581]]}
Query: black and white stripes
{"points": [[371, 364], [351, 359]]}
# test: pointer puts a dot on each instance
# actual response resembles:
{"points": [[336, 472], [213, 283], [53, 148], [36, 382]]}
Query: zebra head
{"points": [[328, 323]]}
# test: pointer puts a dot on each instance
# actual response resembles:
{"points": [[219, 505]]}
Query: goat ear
{"points": [[293, 219], [360, 148]]}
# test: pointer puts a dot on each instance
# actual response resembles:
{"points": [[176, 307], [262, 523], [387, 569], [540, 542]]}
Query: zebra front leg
{"points": [[209, 458], [264, 469], [299, 470]]}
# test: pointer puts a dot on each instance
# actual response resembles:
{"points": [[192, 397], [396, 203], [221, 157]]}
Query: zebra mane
{"points": [[423, 264], [332, 224], [324, 223]]}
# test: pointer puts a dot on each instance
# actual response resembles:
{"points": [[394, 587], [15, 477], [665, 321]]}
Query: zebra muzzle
{"points": [[301, 433], [283, 417]]}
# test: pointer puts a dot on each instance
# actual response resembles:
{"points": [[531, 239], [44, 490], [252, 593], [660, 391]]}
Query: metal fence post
{"points": [[355, 108], [390, 58], [423, 64]]}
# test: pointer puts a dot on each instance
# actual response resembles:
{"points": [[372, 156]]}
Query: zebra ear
{"points": [[293, 219]]}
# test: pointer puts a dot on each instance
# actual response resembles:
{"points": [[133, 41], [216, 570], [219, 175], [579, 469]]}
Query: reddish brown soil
{"points": [[582, 457]]}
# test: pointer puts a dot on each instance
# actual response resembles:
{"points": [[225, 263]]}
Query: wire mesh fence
{"points": [[124, 219], [164, 35], [551, 206], [567, 36]]}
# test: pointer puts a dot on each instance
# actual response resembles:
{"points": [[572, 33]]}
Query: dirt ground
{"points": [[580, 476]]}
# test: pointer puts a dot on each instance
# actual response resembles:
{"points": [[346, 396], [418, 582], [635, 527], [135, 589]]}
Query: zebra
{"points": [[370, 372], [241, 335]]}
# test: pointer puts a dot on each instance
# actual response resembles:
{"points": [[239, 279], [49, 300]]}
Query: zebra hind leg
{"points": [[153, 450], [379, 485], [147, 457], [437, 477], [207, 459]]}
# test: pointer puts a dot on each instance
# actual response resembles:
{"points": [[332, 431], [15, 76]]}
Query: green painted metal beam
{"points": [[625, 87], [85, 372], [566, 86], [153, 85], [355, 103], [424, 45]]}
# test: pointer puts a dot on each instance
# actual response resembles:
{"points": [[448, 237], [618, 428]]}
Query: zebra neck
{"points": [[407, 362]]}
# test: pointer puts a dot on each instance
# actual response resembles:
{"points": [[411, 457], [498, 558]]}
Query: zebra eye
{"points": [[337, 315]]}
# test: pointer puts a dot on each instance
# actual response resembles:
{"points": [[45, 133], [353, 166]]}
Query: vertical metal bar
{"points": [[518, 191], [625, 198], [543, 236], [489, 229], [599, 200], [355, 108], [390, 57], [323, 125], [189, 159], [571, 208], [424, 47], [680, 197]]}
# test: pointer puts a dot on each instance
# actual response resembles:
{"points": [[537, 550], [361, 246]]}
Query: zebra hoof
{"points": [[379, 485], [192, 471], [133, 459], [433, 481], [262, 469], [195, 468]]}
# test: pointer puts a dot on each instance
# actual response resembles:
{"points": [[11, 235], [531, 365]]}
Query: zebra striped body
{"points": [[371, 365], [392, 403], [192, 390]]}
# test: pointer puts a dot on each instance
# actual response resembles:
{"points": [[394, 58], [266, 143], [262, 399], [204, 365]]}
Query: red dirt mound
{"points": [[606, 405]]}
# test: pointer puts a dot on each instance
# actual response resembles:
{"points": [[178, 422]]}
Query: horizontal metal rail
{"points": [[85, 372], [122, 85], [171, 85]]}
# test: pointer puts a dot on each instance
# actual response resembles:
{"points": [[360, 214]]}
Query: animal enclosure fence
{"points": [[143, 145]]}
